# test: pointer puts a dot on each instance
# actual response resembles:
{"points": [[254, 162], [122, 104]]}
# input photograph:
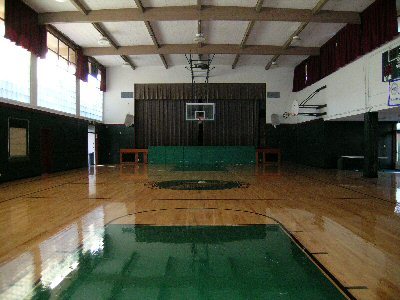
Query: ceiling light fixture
{"points": [[296, 40], [199, 38], [103, 41]]}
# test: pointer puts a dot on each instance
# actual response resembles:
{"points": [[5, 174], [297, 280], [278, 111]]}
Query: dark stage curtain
{"points": [[183, 91], [82, 66], [379, 24], [236, 124], [160, 115], [162, 123], [22, 28]]}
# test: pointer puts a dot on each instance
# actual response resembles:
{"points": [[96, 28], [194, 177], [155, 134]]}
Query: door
{"points": [[46, 150]]}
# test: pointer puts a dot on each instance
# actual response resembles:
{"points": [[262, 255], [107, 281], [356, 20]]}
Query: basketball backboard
{"points": [[200, 111]]}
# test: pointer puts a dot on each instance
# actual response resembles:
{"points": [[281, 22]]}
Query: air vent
{"points": [[273, 95], [127, 95]]}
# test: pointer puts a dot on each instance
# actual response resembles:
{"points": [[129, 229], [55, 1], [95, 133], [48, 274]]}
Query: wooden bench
{"points": [[135, 152], [266, 151]]}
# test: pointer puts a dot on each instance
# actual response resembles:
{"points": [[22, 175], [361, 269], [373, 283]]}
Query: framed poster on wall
{"points": [[18, 138]]}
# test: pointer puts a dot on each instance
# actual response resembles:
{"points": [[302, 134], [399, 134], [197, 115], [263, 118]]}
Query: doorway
{"points": [[397, 155], [46, 150], [92, 145]]}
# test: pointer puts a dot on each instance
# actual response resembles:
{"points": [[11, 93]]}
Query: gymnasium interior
{"points": [[199, 149]]}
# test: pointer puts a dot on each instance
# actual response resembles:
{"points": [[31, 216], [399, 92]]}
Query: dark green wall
{"points": [[318, 143], [112, 138], [69, 139]]}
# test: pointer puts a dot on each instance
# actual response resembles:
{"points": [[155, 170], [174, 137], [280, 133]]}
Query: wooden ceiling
{"points": [[200, 13]]}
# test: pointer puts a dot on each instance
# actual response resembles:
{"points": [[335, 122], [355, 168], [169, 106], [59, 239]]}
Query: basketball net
{"points": [[289, 114], [200, 120]]}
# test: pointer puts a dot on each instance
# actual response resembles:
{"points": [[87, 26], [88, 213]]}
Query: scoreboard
{"points": [[391, 64]]}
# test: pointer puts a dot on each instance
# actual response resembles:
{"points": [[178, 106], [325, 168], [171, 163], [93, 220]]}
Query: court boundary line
{"points": [[336, 282]]}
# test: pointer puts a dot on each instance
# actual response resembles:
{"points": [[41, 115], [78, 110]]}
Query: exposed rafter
{"points": [[151, 32], [205, 49], [247, 32], [83, 9], [207, 13], [303, 25], [129, 61], [106, 34], [139, 5], [199, 44], [80, 6]]}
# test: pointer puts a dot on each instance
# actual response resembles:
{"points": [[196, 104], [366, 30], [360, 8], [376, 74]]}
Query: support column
{"points": [[371, 145], [78, 98], [34, 81]]}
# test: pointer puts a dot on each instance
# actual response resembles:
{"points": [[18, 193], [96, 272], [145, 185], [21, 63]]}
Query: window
{"points": [[398, 24], [14, 70], [91, 98], [56, 79]]}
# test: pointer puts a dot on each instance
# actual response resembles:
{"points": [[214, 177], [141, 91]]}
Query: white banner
{"points": [[394, 93]]}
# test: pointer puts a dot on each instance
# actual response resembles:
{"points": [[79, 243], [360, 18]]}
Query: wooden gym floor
{"points": [[349, 224]]}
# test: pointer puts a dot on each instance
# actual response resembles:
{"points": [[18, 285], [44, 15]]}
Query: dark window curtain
{"points": [[299, 78], [82, 66], [379, 24], [22, 28], [313, 70], [328, 57], [348, 45], [103, 82]]}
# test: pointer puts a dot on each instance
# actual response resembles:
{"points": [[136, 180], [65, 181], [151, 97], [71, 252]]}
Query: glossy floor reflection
{"points": [[348, 224], [213, 262]]}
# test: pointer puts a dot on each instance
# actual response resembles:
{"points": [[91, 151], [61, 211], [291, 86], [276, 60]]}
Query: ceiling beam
{"points": [[207, 13], [316, 10], [80, 6], [205, 49], [84, 10], [247, 32], [140, 5], [199, 44], [128, 61], [106, 34], [154, 39], [151, 32]]}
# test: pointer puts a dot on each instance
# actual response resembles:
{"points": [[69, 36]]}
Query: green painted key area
{"points": [[202, 155], [207, 262]]}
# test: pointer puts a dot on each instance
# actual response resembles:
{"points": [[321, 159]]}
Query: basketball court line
{"points": [[220, 199], [308, 253], [349, 189], [42, 190]]}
